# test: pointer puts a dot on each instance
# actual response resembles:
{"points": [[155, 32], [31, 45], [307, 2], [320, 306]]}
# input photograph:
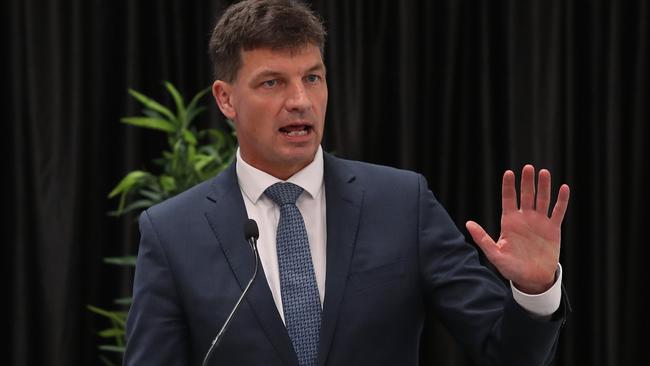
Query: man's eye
{"points": [[312, 78], [270, 83]]}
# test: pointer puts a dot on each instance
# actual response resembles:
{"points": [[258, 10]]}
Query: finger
{"points": [[508, 192], [527, 187], [560, 206], [482, 239], [543, 192]]}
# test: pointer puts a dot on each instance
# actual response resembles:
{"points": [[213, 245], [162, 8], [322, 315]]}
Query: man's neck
{"points": [[281, 172]]}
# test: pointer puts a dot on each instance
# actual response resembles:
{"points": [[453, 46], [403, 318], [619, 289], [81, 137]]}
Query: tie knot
{"points": [[283, 193]]}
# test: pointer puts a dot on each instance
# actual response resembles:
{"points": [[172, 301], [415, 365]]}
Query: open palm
{"points": [[528, 249]]}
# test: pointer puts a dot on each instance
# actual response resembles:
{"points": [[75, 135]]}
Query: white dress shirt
{"points": [[311, 204]]}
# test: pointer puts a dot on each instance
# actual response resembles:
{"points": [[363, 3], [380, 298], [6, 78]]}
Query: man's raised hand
{"points": [[528, 249]]}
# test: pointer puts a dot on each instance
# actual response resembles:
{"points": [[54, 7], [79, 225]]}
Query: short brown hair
{"points": [[250, 24]]}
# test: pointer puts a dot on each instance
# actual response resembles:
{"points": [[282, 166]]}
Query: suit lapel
{"points": [[344, 199], [227, 219]]}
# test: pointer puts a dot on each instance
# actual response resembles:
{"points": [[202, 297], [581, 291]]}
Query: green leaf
{"points": [[193, 113], [110, 348], [159, 161], [152, 123], [180, 105], [202, 161], [99, 311], [151, 113], [191, 152], [168, 183], [189, 137], [218, 138], [196, 98], [178, 146], [137, 205], [208, 150], [154, 196], [117, 316], [111, 332], [152, 104], [123, 301], [121, 261], [128, 182]]}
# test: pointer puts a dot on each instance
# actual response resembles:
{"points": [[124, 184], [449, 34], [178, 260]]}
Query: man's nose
{"points": [[297, 98]]}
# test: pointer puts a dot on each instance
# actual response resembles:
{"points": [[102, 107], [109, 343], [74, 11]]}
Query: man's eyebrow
{"points": [[272, 73], [266, 73], [317, 67]]}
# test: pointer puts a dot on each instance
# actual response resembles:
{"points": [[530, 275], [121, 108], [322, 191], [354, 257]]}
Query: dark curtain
{"points": [[457, 90]]}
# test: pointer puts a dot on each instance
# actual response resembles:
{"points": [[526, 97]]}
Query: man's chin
{"points": [[299, 158], [300, 153]]}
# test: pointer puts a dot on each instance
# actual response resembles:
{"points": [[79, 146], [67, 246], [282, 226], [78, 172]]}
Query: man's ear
{"points": [[222, 92]]}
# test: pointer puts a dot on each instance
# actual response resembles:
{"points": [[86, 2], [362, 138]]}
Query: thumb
{"points": [[482, 239]]}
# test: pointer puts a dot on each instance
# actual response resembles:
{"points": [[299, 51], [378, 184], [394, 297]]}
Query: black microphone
{"points": [[251, 233]]}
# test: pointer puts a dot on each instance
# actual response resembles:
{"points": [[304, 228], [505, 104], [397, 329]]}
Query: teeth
{"points": [[297, 133]]}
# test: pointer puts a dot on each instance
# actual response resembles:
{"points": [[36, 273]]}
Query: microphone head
{"points": [[251, 230]]}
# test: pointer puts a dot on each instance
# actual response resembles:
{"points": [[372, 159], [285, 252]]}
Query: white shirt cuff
{"points": [[544, 304]]}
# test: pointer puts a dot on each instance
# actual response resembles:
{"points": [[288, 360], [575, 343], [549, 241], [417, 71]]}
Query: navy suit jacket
{"points": [[393, 255]]}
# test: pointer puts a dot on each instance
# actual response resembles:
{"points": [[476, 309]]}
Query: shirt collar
{"points": [[254, 182]]}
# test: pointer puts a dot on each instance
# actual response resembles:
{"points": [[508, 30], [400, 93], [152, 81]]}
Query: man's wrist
{"points": [[543, 304]]}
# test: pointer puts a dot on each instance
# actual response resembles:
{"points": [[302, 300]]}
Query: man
{"points": [[353, 260]]}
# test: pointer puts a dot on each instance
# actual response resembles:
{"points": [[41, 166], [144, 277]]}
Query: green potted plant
{"points": [[193, 155]]}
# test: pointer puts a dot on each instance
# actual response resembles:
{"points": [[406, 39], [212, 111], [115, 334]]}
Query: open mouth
{"points": [[296, 130]]}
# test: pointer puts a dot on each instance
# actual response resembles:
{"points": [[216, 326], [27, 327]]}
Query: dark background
{"points": [[459, 90]]}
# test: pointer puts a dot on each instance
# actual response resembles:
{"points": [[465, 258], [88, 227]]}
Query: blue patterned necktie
{"points": [[300, 298]]}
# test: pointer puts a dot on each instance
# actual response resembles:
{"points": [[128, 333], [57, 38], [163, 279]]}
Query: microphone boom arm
{"points": [[252, 241]]}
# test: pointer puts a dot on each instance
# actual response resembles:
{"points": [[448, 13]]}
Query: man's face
{"points": [[278, 103]]}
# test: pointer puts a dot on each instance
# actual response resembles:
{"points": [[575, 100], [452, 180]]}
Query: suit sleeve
{"points": [[471, 301], [156, 329]]}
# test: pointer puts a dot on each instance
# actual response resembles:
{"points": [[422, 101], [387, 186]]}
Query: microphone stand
{"points": [[252, 241]]}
